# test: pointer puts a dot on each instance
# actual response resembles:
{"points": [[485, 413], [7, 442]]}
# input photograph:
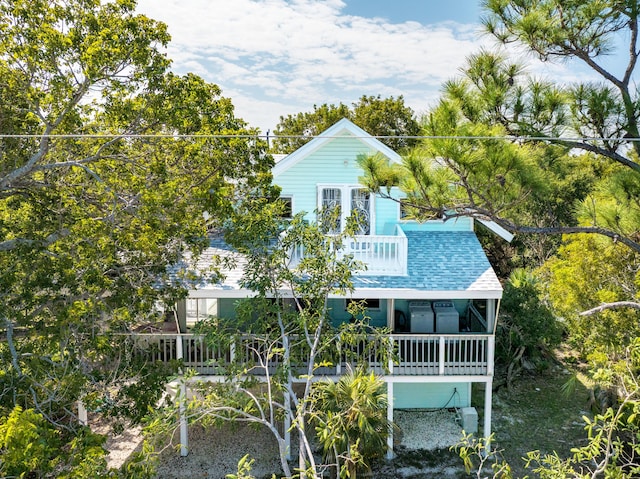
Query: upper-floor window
{"points": [[337, 203], [287, 210]]}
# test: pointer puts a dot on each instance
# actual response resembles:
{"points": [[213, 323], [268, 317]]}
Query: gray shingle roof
{"points": [[449, 263], [441, 264]]}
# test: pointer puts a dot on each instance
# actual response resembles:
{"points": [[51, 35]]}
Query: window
{"points": [[337, 203], [287, 211], [369, 303], [361, 210], [404, 213], [331, 210], [200, 309]]}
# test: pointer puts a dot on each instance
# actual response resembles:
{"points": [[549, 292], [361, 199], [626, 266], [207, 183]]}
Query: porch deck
{"points": [[411, 354]]}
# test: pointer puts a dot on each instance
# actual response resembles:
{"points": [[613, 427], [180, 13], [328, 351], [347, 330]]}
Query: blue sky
{"points": [[422, 11], [279, 57]]}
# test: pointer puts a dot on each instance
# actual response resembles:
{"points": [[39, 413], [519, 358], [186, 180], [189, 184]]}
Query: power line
{"points": [[311, 137]]}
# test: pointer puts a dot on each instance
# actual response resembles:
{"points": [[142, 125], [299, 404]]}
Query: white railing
{"points": [[382, 254], [412, 354]]}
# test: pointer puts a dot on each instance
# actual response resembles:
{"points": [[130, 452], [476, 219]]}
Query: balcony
{"points": [[448, 355], [383, 255]]}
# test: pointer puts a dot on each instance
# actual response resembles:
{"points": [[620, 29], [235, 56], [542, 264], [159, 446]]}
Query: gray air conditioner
{"points": [[421, 317], [447, 317]]}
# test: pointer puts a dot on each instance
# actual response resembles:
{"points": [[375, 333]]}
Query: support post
{"points": [[441, 356], [491, 315], [390, 419], [486, 431], [184, 432], [82, 413], [287, 399], [491, 348]]}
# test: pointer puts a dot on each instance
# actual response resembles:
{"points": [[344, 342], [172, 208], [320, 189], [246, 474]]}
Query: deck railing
{"points": [[409, 354], [382, 254]]}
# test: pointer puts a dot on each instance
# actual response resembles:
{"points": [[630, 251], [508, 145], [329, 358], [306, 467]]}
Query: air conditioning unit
{"points": [[421, 317], [447, 317], [469, 418]]}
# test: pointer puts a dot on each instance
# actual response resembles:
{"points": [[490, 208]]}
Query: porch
{"points": [[410, 355], [381, 254]]}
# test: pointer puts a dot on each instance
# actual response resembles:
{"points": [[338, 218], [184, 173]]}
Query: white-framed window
{"points": [[372, 304], [337, 202], [287, 212], [199, 309], [403, 213]]}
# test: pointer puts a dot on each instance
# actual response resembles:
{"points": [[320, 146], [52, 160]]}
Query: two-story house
{"points": [[430, 283]]}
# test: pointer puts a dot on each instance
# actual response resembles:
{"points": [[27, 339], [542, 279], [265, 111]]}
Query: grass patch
{"points": [[540, 413]]}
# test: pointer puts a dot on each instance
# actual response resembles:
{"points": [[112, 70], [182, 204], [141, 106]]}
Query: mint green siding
{"points": [[458, 224], [431, 395], [335, 163]]}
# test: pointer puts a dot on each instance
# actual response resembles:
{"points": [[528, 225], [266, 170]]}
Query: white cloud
{"points": [[277, 57]]}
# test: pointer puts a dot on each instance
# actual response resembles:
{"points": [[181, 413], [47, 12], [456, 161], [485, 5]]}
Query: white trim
{"points": [[361, 293], [405, 293], [345, 128], [497, 229]]}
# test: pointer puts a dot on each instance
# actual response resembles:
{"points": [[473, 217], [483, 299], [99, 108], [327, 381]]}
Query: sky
{"points": [[274, 58]]}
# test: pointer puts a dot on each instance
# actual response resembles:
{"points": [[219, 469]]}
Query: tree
{"points": [[388, 118], [522, 124], [528, 327], [350, 419], [586, 272], [283, 335], [92, 215]]}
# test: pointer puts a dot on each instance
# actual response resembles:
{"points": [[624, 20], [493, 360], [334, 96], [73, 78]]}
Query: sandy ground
{"points": [[214, 453]]}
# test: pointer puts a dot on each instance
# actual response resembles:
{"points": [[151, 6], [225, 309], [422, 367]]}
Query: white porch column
{"points": [[184, 434], [486, 432], [287, 398], [391, 316], [184, 431], [491, 315], [390, 419], [82, 413]]}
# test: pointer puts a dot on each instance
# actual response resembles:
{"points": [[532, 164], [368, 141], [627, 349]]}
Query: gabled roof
{"points": [[343, 128]]}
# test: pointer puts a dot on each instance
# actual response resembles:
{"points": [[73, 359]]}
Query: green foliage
{"points": [[27, 444], [477, 454], [612, 436], [244, 469], [31, 447], [91, 227], [527, 325], [588, 271], [449, 176], [388, 117], [350, 419]]}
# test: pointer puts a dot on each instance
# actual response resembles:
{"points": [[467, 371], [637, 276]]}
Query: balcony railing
{"points": [[382, 254], [412, 354]]}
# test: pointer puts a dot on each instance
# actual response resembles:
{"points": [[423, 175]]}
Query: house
{"points": [[430, 283]]}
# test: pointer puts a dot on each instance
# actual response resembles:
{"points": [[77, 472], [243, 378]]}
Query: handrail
{"points": [[414, 354]]}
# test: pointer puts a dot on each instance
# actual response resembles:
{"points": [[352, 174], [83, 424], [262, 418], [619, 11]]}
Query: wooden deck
{"points": [[411, 354]]}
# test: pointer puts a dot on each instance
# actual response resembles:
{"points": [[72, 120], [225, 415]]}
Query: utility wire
{"points": [[311, 137]]}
